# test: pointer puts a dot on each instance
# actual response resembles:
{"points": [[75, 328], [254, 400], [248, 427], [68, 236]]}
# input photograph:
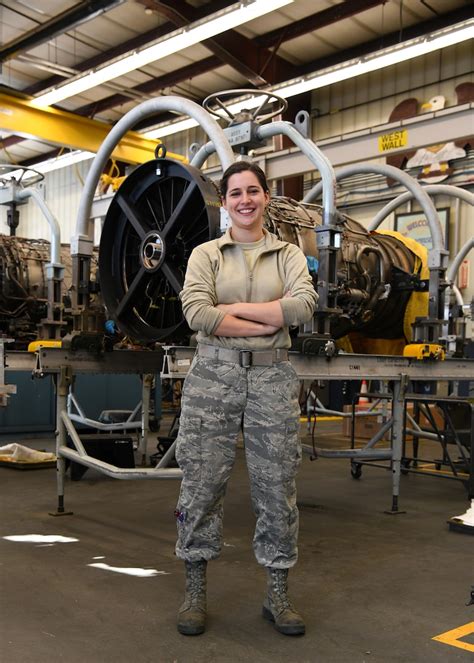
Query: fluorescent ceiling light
{"points": [[350, 69], [49, 165], [233, 16], [379, 60], [171, 128]]}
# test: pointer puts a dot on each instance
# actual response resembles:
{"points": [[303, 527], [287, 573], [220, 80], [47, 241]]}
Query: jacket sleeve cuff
{"points": [[217, 318], [290, 308]]}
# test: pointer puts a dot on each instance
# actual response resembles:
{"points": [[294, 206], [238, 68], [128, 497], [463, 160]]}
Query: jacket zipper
{"points": [[248, 288], [250, 273]]}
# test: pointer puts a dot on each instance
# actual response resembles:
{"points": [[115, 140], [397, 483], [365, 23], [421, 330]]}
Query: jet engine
{"points": [[165, 208], [382, 282], [24, 285]]}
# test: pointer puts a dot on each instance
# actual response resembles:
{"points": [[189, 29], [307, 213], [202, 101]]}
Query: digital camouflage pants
{"points": [[219, 400]]}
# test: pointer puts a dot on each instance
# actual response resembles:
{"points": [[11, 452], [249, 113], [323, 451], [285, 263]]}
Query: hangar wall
{"points": [[62, 191], [368, 100]]}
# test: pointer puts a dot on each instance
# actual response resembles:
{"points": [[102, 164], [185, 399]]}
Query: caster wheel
{"points": [[356, 470], [405, 466]]}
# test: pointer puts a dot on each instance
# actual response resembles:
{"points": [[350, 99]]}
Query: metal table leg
{"points": [[63, 382], [398, 406], [146, 392]]}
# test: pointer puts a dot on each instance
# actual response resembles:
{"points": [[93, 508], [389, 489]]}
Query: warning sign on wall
{"points": [[393, 141]]}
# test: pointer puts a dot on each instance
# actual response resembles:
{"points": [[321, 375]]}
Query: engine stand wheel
{"points": [[162, 211], [405, 465], [222, 102], [6, 170]]}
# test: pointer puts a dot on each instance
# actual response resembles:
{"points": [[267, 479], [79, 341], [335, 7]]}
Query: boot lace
{"points": [[279, 593], [195, 586]]}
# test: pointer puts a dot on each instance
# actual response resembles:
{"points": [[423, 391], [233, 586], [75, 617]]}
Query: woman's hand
{"points": [[238, 327], [265, 313]]}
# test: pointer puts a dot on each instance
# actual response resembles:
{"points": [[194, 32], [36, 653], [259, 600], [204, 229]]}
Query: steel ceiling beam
{"points": [[317, 21], [366, 48], [391, 39], [256, 63], [174, 78], [172, 13], [67, 20], [149, 87], [303, 26], [208, 64], [313, 22], [130, 45]]}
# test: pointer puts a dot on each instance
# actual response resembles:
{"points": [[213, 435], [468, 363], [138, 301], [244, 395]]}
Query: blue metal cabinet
{"points": [[32, 408]]}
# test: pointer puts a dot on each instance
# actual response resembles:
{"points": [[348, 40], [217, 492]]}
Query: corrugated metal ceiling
{"points": [[199, 70]]}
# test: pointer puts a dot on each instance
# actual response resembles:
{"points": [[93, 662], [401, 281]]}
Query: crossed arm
{"points": [[250, 319], [243, 319]]}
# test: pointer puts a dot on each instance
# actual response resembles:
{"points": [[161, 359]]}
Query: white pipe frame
{"points": [[127, 122], [23, 194], [434, 190], [456, 264], [415, 189], [454, 268], [80, 455], [431, 189], [314, 154], [307, 146]]}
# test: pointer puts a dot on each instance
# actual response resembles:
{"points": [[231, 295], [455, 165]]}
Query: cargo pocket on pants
{"points": [[292, 451], [189, 449]]}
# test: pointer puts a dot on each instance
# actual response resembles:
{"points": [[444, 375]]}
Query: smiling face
{"points": [[245, 201]]}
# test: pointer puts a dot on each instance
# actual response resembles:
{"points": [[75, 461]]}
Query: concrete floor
{"points": [[373, 588]]}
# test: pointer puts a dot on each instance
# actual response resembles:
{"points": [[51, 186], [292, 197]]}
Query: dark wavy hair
{"points": [[241, 167]]}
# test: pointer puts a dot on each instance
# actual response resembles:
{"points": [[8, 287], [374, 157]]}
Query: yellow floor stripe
{"points": [[453, 637], [431, 467]]}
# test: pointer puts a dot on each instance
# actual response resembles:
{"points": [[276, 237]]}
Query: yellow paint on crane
{"points": [[454, 636], [62, 128]]}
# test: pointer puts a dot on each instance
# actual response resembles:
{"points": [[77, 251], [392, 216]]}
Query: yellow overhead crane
{"points": [[62, 128]]}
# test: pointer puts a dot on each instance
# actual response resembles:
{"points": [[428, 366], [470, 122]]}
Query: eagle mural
{"points": [[433, 161]]}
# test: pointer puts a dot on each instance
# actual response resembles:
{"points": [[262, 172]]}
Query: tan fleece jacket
{"points": [[218, 273]]}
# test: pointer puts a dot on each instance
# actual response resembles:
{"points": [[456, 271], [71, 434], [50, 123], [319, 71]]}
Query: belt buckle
{"points": [[245, 358]]}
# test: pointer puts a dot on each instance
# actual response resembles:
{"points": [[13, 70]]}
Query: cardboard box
{"points": [[364, 427], [424, 422]]}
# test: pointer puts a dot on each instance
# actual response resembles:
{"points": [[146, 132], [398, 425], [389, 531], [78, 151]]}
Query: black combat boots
{"points": [[277, 607], [192, 614]]}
